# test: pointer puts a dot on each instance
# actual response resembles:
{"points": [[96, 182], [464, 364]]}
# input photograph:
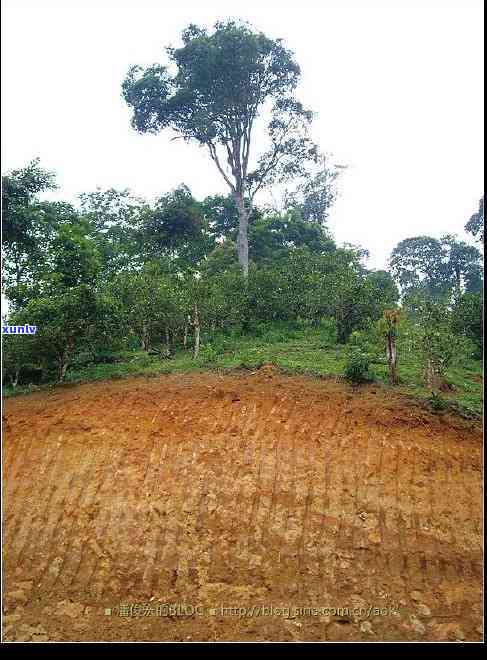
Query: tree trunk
{"points": [[432, 377], [15, 379], [243, 234], [62, 370], [185, 336], [196, 328], [65, 358], [392, 357], [145, 342]]}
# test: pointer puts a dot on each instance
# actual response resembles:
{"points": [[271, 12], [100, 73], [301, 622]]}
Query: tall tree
{"points": [[218, 87], [419, 263], [464, 265], [436, 267]]}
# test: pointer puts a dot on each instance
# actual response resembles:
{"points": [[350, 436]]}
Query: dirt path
{"points": [[138, 509]]}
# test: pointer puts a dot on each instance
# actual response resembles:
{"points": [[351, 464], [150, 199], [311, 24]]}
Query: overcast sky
{"points": [[397, 87]]}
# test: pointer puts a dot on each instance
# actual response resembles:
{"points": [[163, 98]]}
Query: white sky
{"points": [[397, 86]]}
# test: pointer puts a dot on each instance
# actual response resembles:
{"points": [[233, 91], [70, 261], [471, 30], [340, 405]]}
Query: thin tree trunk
{"points": [[196, 328], [432, 377], [62, 370], [15, 379], [243, 234], [392, 357], [65, 358], [144, 344], [185, 336]]}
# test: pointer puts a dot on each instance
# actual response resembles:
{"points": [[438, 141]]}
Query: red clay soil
{"points": [[247, 507]]}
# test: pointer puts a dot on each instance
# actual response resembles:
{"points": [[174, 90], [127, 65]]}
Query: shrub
{"points": [[357, 367], [437, 403], [328, 331], [209, 354]]}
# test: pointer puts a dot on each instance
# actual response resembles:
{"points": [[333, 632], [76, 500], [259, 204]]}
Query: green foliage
{"points": [[221, 214], [274, 237], [115, 219], [75, 257], [176, 228], [360, 297], [437, 403], [214, 92], [436, 268], [304, 348], [418, 264], [368, 341], [433, 338], [19, 359], [467, 319], [221, 81], [63, 321], [475, 225], [147, 302], [26, 223], [19, 194], [357, 367], [463, 266]]}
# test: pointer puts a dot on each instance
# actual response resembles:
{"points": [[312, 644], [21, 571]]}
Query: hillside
{"points": [[239, 491]]}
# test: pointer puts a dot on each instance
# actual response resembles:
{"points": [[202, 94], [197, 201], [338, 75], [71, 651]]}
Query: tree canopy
{"points": [[436, 266], [212, 91]]}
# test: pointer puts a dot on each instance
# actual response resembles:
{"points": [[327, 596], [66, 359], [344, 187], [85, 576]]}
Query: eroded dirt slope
{"points": [[245, 491]]}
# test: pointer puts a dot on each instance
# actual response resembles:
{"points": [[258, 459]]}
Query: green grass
{"points": [[304, 350]]}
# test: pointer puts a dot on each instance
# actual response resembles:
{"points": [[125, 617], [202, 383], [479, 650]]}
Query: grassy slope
{"points": [[307, 351]]}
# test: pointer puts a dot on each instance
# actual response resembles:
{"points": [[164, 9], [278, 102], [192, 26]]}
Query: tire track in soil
{"points": [[326, 550], [222, 442], [51, 571], [269, 536], [301, 560], [14, 469], [29, 519], [231, 493], [267, 424], [308, 552], [276, 524], [202, 560], [56, 520], [70, 541], [14, 480], [175, 560], [38, 532], [85, 556], [150, 563], [339, 552], [168, 555]]}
